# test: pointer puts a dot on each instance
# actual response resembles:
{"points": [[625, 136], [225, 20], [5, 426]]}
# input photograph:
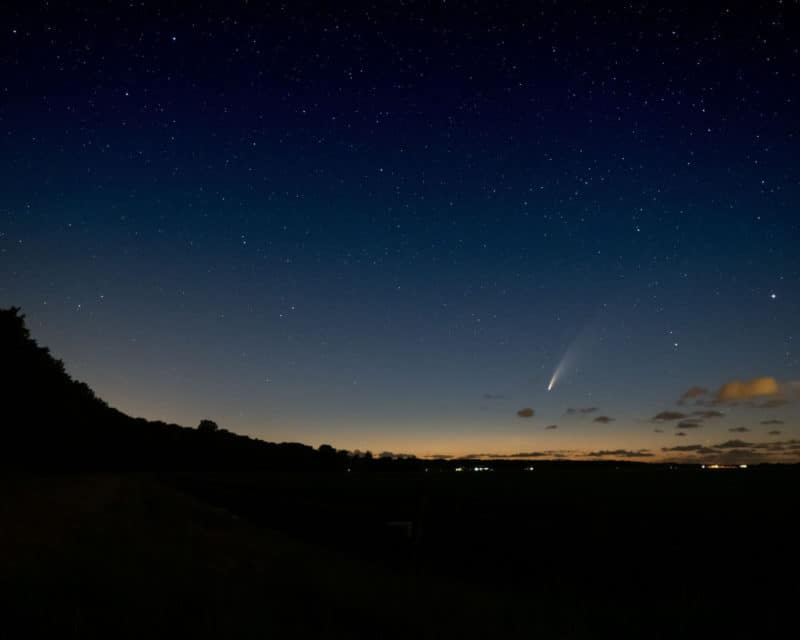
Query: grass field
{"points": [[126, 556], [580, 554]]}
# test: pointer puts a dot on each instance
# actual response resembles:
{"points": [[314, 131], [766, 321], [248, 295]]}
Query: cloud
{"points": [[658, 430], [555, 453], [693, 448], [494, 396], [739, 430], [680, 433], [669, 415], [688, 424], [683, 447], [708, 414], [527, 412], [532, 454], [551, 426], [737, 456], [772, 446], [774, 433], [706, 451], [621, 453], [736, 390], [692, 393], [772, 422], [603, 419], [734, 444], [738, 451]]}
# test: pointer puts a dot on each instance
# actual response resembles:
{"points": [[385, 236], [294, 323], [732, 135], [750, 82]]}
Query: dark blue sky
{"points": [[385, 228]]}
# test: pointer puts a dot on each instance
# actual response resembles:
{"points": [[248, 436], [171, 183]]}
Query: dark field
{"points": [[576, 553]]}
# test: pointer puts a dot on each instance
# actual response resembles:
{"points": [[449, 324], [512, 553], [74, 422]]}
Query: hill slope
{"points": [[52, 421]]}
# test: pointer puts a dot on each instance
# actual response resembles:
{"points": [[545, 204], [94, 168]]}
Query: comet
{"points": [[566, 361], [557, 372], [580, 343]]}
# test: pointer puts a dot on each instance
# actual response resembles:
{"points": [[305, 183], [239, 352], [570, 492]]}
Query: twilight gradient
{"points": [[385, 233]]}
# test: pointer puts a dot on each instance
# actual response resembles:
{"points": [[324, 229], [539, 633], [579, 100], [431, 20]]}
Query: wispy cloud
{"points": [[708, 414], [739, 448], [692, 393], [554, 453], [666, 416], [620, 453], [571, 411], [697, 449], [774, 403], [734, 444]]}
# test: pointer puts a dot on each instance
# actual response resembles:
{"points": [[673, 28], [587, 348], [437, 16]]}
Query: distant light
{"points": [[459, 468], [773, 296], [743, 466]]}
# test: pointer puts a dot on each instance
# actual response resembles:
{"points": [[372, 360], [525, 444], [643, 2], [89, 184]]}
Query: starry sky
{"points": [[393, 226]]}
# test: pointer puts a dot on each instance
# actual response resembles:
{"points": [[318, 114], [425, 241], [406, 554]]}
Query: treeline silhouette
{"points": [[52, 421]]}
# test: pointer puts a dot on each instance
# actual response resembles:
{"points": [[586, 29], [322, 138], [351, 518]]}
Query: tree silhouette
{"points": [[50, 421], [207, 426]]}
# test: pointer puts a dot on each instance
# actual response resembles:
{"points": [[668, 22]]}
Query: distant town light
{"points": [[725, 466]]}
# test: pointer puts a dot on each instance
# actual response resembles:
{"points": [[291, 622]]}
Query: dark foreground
{"points": [[580, 553]]}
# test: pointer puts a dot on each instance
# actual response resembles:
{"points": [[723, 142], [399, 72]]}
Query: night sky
{"points": [[387, 227]]}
